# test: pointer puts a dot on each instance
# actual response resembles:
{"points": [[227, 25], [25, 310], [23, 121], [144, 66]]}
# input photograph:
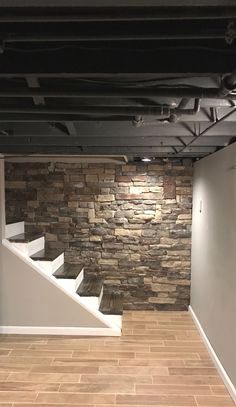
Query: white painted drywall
{"points": [[28, 299], [2, 198], [213, 282]]}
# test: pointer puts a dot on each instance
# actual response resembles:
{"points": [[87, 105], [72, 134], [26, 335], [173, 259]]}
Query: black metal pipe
{"points": [[178, 92], [193, 111], [183, 103], [157, 111], [14, 38], [228, 84], [161, 111]]}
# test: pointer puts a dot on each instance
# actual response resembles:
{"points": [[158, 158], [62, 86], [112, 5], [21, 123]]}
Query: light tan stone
{"points": [[105, 198], [127, 232], [157, 300], [156, 287], [111, 262]]}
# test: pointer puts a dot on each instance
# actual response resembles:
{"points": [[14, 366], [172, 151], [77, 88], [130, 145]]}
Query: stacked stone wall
{"points": [[131, 223]]}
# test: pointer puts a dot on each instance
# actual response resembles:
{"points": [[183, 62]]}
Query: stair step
{"points": [[112, 304], [47, 254], [68, 271], [25, 237], [90, 287]]}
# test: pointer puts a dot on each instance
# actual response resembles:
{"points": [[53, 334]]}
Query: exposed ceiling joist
{"points": [[118, 80]]}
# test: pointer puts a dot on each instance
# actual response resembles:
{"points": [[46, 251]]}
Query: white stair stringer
{"points": [[107, 325]]}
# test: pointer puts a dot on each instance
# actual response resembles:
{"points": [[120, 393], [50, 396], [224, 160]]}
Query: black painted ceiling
{"points": [[154, 79]]}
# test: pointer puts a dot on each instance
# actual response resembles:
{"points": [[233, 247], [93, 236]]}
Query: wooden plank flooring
{"points": [[160, 360]]}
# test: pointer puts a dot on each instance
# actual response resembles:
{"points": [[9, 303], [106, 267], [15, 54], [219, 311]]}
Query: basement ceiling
{"points": [[150, 80]]}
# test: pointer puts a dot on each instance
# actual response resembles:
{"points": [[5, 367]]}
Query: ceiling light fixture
{"points": [[146, 159]]}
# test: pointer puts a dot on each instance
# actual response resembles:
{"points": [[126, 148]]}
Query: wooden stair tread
{"points": [[47, 254], [90, 287], [25, 237], [111, 304], [68, 271], [11, 221]]}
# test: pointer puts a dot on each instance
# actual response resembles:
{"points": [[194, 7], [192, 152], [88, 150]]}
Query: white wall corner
{"points": [[226, 379], [2, 198]]}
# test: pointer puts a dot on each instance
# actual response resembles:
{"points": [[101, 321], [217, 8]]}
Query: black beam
{"points": [[34, 83], [86, 62], [145, 141], [97, 150], [114, 92], [205, 131], [63, 14]]}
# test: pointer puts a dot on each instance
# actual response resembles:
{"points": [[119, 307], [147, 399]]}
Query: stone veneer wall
{"points": [[130, 223]]}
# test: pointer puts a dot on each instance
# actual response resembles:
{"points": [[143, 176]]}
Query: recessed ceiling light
{"points": [[146, 159]]}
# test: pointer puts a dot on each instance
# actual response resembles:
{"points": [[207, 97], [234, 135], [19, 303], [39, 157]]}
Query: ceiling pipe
{"points": [[93, 110], [228, 84], [114, 92], [14, 38], [179, 111], [159, 111], [193, 111], [183, 103]]}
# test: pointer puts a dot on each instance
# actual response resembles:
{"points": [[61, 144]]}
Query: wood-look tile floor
{"points": [[160, 360]]}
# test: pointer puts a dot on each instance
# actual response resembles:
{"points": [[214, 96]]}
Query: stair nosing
{"points": [[14, 239], [65, 276], [47, 256]]}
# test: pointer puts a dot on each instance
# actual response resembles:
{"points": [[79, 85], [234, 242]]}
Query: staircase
{"points": [[69, 277]]}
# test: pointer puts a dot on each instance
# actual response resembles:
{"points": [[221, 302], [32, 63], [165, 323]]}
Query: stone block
{"points": [[15, 184], [105, 198], [160, 300], [128, 168], [169, 188], [127, 232], [91, 178], [109, 262], [162, 287]]}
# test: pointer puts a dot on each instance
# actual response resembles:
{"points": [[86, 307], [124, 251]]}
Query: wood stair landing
{"points": [[47, 254], [111, 304], [90, 287], [68, 271], [25, 237]]}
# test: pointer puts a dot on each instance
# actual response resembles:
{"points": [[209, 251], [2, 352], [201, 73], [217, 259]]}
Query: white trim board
{"points": [[57, 330], [229, 385]]}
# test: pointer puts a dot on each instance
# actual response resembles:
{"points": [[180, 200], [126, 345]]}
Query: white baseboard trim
{"points": [[214, 357], [41, 330]]}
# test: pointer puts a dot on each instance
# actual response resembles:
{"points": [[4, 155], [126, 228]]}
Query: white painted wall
{"points": [[27, 299], [2, 198], [213, 283]]}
